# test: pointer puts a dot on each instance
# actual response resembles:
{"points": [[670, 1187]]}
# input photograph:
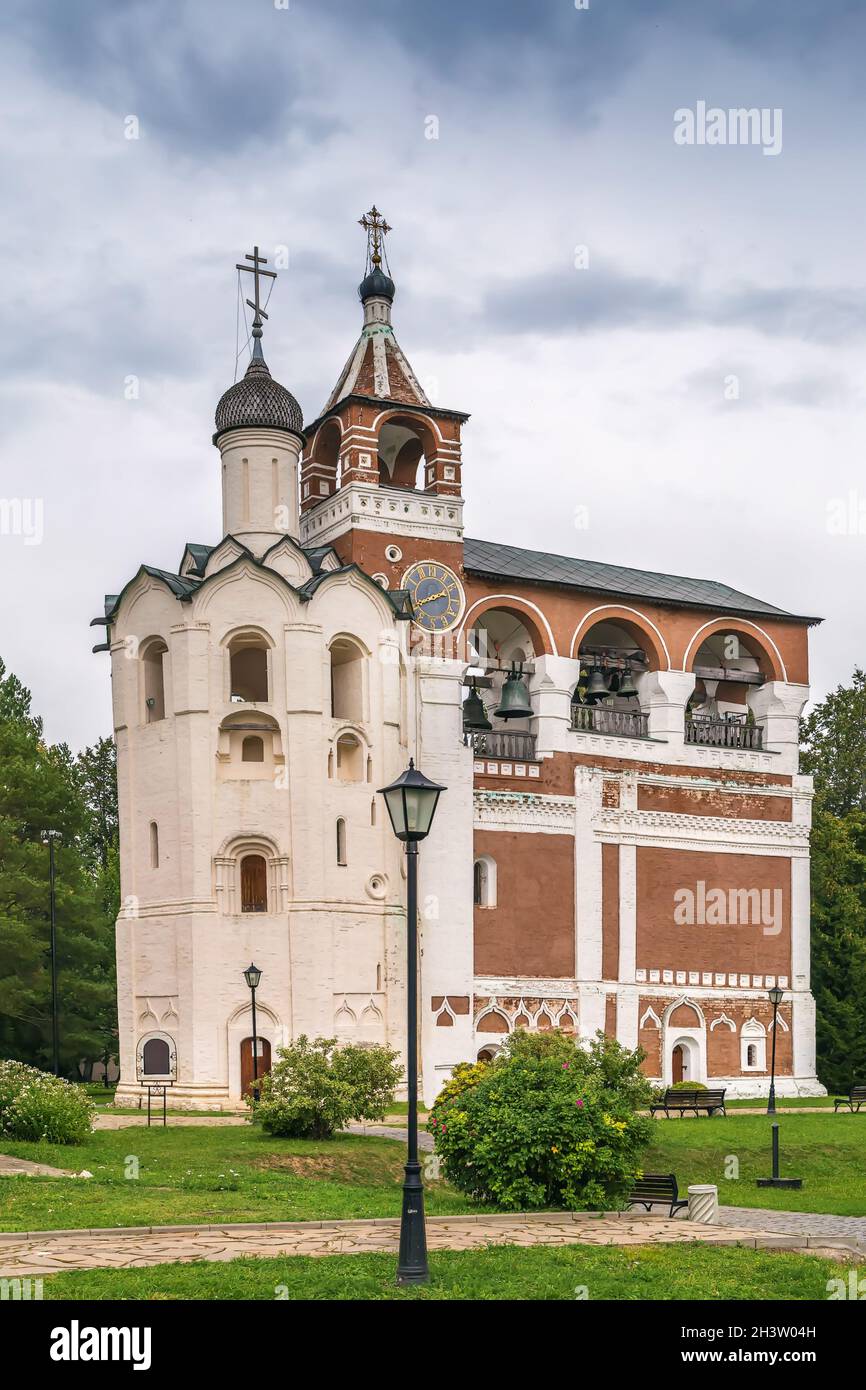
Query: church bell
{"points": [[596, 686], [474, 715], [627, 686], [515, 698]]}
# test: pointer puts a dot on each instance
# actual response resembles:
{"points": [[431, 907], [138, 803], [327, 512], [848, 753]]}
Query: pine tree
{"points": [[43, 787]]}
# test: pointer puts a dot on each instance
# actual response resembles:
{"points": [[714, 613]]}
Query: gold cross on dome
{"points": [[376, 228]]}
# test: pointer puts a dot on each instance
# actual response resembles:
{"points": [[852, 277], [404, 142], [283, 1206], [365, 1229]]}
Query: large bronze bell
{"points": [[627, 687], [515, 698], [474, 713], [596, 687]]}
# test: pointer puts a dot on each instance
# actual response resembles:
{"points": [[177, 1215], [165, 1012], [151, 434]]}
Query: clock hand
{"points": [[430, 597]]}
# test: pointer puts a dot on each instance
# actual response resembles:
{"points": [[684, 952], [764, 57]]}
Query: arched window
{"points": [[347, 680], [253, 749], [753, 1046], [154, 845], [254, 883], [350, 759], [484, 881], [341, 842], [248, 658], [156, 1057], [154, 681]]}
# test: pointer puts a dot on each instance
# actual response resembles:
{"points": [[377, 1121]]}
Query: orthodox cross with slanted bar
{"points": [[256, 271]]}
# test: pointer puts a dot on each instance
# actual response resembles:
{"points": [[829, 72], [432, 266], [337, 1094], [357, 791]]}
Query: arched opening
{"points": [[501, 648], [253, 749], [484, 881], [325, 454], [254, 883], [154, 845], [613, 654], [153, 658], [350, 759], [341, 842], [728, 666], [156, 1057], [487, 1054], [404, 441], [248, 660], [347, 680], [679, 1065]]}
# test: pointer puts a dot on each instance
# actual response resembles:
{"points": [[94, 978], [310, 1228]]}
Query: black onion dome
{"points": [[258, 402], [377, 283]]}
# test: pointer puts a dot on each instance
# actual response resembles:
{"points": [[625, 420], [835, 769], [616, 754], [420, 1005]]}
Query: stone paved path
{"points": [[22, 1167], [50, 1253], [796, 1223], [104, 1121]]}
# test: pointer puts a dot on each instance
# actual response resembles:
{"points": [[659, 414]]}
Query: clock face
{"points": [[436, 594]]}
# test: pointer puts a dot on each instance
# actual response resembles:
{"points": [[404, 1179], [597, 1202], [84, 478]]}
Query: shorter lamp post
{"points": [[253, 975], [775, 998], [49, 837], [411, 803]]}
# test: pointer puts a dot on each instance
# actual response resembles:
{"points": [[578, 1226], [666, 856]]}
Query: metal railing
{"points": [[596, 719], [515, 744], [724, 733]]}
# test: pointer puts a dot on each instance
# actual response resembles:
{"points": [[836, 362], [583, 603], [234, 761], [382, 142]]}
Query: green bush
{"points": [[687, 1086], [35, 1105], [550, 1122], [316, 1087]]}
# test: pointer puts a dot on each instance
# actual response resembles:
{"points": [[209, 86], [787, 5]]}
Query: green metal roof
{"points": [[495, 561]]}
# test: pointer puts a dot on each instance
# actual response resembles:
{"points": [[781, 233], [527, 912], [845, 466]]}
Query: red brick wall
{"points": [[531, 930]]}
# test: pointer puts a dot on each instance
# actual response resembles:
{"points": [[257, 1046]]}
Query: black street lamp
{"points": [[411, 803], [775, 998], [48, 838], [253, 975]]}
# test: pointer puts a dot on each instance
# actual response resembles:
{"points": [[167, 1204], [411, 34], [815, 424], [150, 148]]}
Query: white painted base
{"points": [[758, 1087]]}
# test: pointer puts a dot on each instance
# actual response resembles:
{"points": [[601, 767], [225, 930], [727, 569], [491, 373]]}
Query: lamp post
{"points": [[48, 838], [775, 998], [411, 803], [253, 975]]}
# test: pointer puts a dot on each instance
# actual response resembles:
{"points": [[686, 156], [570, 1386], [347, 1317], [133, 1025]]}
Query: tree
{"points": [[42, 787], [833, 747]]}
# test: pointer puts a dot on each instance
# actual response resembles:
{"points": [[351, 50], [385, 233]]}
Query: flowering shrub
{"points": [[548, 1123], [36, 1105], [316, 1087]]}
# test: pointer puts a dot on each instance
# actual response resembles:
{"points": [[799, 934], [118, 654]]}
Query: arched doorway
{"points": [[263, 1059], [679, 1065]]}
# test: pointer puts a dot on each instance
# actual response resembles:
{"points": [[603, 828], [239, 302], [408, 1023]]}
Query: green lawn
{"points": [[200, 1175], [827, 1151], [502, 1272], [190, 1175], [783, 1103]]}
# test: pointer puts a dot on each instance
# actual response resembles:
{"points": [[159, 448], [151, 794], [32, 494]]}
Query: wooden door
{"points": [[677, 1064], [264, 1062]]}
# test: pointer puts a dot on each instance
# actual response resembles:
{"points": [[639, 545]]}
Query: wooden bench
{"points": [[854, 1099], [655, 1188], [711, 1101]]}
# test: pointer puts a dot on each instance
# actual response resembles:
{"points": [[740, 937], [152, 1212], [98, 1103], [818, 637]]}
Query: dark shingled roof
{"points": [[492, 560], [258, 402]]}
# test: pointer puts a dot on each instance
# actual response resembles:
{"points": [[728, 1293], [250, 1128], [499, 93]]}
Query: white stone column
{"points": [[446, 858], [664, 696], [550, 688], [778, 706], [587, 876]]}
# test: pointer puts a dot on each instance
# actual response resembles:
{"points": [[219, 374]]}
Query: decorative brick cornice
{"points": [[676, 829], [523, 811]]}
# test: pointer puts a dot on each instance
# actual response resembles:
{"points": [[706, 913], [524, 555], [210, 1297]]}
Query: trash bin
{"points": [[704, 1204]]}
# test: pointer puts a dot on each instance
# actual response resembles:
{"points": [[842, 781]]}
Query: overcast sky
{"points": [[693, 377]]}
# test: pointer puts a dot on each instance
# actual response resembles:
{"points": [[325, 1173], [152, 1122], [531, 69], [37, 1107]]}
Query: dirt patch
{"points": [[306, 1165], [823, 1252]]}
